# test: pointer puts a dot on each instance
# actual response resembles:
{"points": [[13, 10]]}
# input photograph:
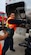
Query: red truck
{"points": [[3, 18]]}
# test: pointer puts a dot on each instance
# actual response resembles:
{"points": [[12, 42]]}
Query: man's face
{"points": [[12, 15]]}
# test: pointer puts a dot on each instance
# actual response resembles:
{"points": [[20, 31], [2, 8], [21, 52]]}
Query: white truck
{"points": [[12, 5]]}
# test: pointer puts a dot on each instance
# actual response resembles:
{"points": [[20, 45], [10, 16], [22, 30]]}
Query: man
{"points": [[10, 28], [9, 40]]}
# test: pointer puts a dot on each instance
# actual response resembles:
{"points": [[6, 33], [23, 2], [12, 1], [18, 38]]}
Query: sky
{"points": [[2, 4]]}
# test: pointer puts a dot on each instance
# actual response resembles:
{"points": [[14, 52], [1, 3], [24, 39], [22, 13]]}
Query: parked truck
{"points": [[3, 18]]}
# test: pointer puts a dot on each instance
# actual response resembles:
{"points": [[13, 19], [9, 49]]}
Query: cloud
{"points": [[2, 5]]}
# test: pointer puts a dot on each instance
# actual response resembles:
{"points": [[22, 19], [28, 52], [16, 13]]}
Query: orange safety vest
{"points": [[10, 25]]}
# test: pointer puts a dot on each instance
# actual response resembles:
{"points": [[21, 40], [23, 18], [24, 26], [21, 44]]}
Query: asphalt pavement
{"points": [[18, 38]]}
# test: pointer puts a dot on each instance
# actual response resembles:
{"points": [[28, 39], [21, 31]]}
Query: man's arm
{"points": [[11, 21], [4, 36]]}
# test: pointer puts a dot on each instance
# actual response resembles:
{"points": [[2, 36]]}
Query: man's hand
{"points": [[22, 26]]}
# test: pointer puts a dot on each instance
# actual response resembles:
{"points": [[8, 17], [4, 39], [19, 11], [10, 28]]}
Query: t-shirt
{"points": [[8, 30]]}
